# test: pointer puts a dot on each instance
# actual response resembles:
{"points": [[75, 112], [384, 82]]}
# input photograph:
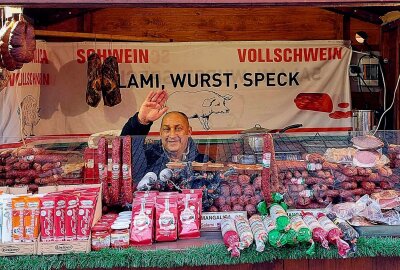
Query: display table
{"points": [[370, 255]]}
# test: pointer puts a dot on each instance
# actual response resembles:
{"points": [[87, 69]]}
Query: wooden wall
{"points": [[220, 24]]}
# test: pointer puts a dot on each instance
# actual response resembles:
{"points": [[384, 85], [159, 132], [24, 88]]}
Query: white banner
{"points": [[222, 86]]}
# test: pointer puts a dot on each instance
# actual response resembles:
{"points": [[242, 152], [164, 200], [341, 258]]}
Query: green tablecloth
{"points": [[215, 254]]}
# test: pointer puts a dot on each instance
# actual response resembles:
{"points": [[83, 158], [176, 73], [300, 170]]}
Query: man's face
{"points": [[175, 132]]}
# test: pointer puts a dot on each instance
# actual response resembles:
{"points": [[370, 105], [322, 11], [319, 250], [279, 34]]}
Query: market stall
{"points": [[77, 195]]}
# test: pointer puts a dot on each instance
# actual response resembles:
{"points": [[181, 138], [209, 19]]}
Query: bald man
{"points": [[175, 131]]}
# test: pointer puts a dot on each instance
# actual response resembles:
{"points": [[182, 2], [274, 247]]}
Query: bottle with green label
{"points": [[279, 216]]}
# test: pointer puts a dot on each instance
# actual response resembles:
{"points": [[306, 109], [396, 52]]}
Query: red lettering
{"points": [[14, 78], [337, 53], [269, 59], [252, 55], [45, 59], [143, 56], [260, 58], [278, 55], [80, 56], [242, 55], [287, 55], [311, 54], [117, 54], [322, 54], [298, 55], [128, 56]]}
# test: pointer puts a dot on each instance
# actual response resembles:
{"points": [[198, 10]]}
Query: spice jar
{"points": [[120, 235], [101, 237]]}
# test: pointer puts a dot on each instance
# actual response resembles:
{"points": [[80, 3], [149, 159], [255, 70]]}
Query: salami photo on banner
{"points": [[222, 86]]}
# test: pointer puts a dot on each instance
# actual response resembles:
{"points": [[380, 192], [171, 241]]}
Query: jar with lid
{"points": [[120, 235], [101, 237]]}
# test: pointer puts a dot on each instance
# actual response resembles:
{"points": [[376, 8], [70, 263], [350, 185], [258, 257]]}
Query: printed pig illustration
{"points": [[199, 104]]}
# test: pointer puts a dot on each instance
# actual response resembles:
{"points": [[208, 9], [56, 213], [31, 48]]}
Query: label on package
{"points": [[59, 219], [211, 221], [326, 223]]}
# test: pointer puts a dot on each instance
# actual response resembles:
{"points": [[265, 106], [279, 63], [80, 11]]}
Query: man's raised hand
{"points": [[153, 107]]}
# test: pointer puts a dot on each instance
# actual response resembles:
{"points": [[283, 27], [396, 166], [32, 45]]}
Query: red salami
{"points": [[115, 170], [126, 187], [102, 152], [268, 163]]}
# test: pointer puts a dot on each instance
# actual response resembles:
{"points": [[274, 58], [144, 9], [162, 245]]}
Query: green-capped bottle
{"points": [[279, 216]]}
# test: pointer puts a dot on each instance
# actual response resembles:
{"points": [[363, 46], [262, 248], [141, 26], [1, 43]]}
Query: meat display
{"points": [[110, 82], [93, 90], [315, 182], [38, 167]]}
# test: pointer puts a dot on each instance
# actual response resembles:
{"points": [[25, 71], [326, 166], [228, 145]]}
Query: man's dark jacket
{"points": [[151, 157]]}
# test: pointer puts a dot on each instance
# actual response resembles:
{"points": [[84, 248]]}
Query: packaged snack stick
{"points": [[259, 232], [244, 230], [334, 234], [318, 232], [230, 236]]}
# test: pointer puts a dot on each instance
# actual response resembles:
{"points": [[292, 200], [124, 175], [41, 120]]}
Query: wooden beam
{"points": [[98, 37], [358, 13], [188, 3]]}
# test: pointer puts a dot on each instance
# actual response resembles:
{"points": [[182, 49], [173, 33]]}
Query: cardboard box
{"points": [[11, 248], [14, 249], [63, 247]]}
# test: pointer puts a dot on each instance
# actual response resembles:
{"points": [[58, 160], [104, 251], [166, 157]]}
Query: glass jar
{"points": [[120, 235], [101, 237]]}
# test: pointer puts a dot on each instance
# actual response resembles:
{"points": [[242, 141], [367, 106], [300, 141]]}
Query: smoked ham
{"points": [[93, 89], [22, 43], [110, 86], [7, 60]]}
